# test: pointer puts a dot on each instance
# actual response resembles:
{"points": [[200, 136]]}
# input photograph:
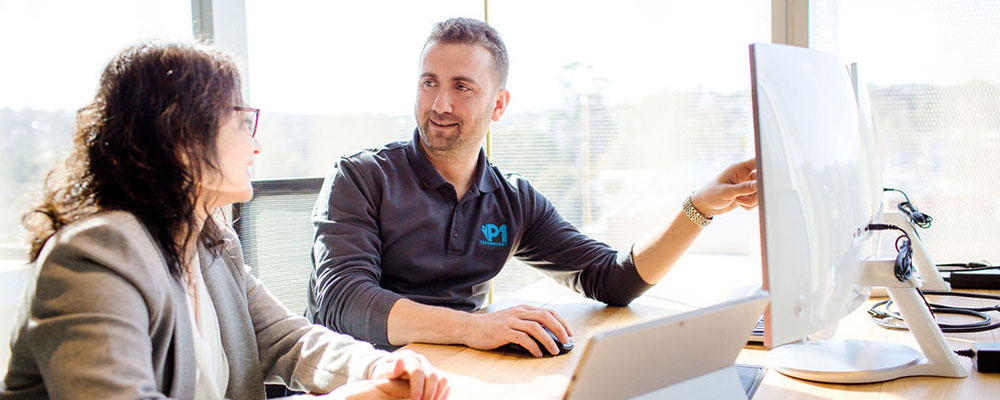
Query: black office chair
{"points": [[276, 231]]}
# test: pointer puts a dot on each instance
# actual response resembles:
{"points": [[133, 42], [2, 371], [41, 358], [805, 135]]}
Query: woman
{"points": [[141, 292]]}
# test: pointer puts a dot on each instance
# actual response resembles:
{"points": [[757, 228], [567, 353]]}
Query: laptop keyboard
{"points": [[757, 335]]}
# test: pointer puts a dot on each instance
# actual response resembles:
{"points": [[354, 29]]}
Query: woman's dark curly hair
{"points": [[143, 145]]}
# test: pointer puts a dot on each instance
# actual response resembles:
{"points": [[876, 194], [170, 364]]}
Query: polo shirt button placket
{"points": [[454, 246]]}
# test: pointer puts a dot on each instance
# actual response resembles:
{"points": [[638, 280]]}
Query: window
{"points": [[54, 52], [334, 77], [619, 110], [933, 72]]}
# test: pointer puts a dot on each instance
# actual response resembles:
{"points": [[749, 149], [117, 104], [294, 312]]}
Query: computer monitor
{"points": [[817, 188], [869, 137], [816, 195]]}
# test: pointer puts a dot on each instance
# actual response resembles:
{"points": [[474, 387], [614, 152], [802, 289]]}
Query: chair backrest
{"points": [[276, 232]]}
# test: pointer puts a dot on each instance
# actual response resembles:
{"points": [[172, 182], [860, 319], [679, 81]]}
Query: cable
{"points": [[970, 266], [886, 318], [889, 319], [904, 264], [922, 220], [969, 295], [985, 356], [903, 267], [918, 218]]}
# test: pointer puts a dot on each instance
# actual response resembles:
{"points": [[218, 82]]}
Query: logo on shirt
{"points": [[495, 235]]}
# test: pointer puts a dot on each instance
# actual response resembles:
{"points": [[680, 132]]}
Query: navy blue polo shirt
{"points": [[389, 226]]}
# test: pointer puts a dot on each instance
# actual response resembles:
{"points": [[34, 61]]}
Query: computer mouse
{"points": [[516, 348]]}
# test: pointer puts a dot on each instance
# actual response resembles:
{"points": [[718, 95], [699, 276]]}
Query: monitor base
{"points": [[857, 361], [854, 361]]}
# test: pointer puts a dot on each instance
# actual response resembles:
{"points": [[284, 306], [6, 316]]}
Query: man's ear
{"points": [[503, 98]]}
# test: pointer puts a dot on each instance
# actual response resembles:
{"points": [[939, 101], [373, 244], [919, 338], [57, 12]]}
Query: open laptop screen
{"points": [[692, 352]]}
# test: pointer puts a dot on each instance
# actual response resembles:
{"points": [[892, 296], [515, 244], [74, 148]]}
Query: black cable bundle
{"points": [[903, 267], [886, 318], [918, 218]]}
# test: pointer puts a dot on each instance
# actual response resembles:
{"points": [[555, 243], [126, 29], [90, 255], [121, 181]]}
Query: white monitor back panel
{"points": [[814, 187], [869, 135]]}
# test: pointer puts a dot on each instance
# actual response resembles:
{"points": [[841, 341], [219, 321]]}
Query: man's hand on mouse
{"points": [[514, 325]]}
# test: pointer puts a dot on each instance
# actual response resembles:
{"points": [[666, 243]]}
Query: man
{"points": [[409, 235]]}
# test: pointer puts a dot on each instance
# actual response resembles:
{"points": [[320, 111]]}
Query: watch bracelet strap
{"points": [[694, 215]]}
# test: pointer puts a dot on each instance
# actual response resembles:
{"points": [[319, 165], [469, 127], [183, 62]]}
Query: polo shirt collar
{"points": [[485, 180]]}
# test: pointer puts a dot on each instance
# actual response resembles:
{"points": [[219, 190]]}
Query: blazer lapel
{"points": [[236, 328], [185, 372]]}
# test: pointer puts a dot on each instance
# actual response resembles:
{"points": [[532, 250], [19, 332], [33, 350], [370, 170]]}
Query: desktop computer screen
{"points": [[815, 190], [819, 189], [869, 137]]}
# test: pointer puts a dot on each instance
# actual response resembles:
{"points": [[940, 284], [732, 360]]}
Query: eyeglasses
{"points": [[249, 122]]}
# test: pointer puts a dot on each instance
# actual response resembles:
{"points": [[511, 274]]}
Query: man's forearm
{"points": [[410, 322], [656, 254], [735, 187]]}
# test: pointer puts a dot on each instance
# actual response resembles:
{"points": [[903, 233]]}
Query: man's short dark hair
{"points": [[472, 31]]}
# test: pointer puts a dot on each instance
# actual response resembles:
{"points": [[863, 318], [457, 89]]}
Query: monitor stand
{"points": [[862, 361], [929, 274]]}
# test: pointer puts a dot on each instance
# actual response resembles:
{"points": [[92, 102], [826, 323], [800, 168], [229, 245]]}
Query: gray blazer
{"points": [[105, 320]]}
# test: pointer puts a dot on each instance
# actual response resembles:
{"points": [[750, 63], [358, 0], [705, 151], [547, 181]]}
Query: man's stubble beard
{"points": [[452, 146]]}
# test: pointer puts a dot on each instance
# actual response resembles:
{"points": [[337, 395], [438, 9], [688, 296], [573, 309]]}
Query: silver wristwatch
{"points": [[694, 215]]}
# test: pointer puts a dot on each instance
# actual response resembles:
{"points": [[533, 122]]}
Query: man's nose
{"points": [[442, 102]]}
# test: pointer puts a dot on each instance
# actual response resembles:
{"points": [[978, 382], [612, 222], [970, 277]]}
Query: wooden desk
{"points": [[696, 282]]}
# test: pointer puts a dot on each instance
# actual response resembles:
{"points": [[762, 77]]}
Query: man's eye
{"points": [[427, 83], [463, 88]]}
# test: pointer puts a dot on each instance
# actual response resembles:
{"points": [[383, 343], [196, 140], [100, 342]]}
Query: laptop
{"points": [[688, 355], [757, 334]]}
